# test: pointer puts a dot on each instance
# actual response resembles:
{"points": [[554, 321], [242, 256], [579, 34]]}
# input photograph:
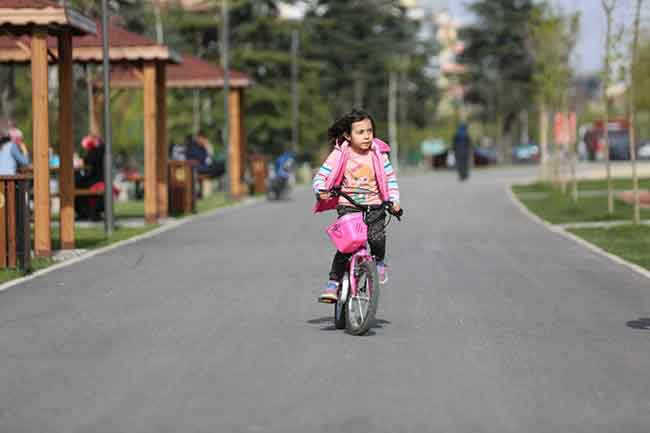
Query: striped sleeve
{"points": [[323, 173], [391, 180]]}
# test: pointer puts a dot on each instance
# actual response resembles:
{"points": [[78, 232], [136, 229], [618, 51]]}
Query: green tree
{"points": [[135, 15], [499, 65], [359, 43], [260, 45], [551, 41], [642, 96]]}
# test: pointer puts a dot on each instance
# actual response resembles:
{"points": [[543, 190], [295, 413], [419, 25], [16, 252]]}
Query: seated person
{"points": [[201, 151], [13, 152]]}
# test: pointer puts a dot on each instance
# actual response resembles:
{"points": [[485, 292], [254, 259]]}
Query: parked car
{"points": [[644, 150], [523, 153], [619, 145], [485, 156]]}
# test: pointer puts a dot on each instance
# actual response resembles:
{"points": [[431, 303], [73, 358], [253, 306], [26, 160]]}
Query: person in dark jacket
{"points": [[462, 151], [200, 150], [91, 176]]}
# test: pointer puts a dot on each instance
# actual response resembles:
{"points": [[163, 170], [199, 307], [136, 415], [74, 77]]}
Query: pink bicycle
{"points": [[358, 295]]}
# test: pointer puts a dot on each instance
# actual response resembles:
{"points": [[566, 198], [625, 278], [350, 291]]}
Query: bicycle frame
{"points": [[360, 255]]}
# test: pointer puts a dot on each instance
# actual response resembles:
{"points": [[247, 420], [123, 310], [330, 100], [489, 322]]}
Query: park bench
{"points": [[205, 184]]}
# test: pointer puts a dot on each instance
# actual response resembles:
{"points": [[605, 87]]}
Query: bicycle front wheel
{"points": [[340, 306], [361, 307]]}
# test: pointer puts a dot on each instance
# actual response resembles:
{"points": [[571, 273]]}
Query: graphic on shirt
{"points": [[359, 180]]}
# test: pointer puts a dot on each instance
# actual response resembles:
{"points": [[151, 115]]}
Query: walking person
{"points": [[462, 151]]}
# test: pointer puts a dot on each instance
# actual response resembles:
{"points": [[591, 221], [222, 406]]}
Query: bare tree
{"points": [[608, 8]]}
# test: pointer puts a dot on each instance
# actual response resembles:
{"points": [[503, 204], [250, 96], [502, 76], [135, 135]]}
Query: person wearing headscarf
{"points": [[462, 151], [90, 177]]}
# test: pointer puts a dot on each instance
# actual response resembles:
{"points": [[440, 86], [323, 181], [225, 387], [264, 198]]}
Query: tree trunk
{"points": [[93, 118], [632, 112], [196, 111], [543, 140], [160, 37], [7, 95], [498, 137], [392, 113], [610, 190]]}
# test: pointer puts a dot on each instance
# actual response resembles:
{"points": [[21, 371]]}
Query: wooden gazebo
{"points": [[125, 48], [34, 20], [194, 73]]}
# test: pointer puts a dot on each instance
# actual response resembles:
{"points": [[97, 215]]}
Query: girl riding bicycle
{"points": [[359, 164]]}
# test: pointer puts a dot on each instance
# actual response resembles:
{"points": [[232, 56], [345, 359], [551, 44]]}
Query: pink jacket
{"points": [[331, 174]]}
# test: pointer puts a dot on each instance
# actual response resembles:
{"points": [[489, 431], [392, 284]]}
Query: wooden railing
{"points": [[15, 230]]}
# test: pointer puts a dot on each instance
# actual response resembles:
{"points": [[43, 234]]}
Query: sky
{"points": [[590, 47], [591, 41]]}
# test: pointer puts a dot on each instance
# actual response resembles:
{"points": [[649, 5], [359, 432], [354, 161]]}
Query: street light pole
{"points": [[295, 91], [108, 160]]}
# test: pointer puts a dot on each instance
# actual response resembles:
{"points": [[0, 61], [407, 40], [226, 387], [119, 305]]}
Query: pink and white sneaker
{"points": [[329, 294]]}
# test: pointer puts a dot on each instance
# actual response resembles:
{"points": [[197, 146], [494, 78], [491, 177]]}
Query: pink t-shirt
{"points": [[359, 180]]}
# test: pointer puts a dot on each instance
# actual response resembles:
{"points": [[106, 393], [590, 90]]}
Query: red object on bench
{"points": [[99, 187]]}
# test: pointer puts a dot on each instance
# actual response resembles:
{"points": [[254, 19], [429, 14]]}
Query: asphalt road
{"points": [[490, 323]]}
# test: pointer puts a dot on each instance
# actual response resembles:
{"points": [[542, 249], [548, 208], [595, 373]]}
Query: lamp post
{"points": [[226, 94], [108, 160]]}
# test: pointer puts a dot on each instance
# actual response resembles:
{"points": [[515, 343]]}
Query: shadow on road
{"points": [[328, 320], [640, 323]]}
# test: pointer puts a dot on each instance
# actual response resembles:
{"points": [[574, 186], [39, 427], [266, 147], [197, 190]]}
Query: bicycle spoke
{"points": [[359, 313]]}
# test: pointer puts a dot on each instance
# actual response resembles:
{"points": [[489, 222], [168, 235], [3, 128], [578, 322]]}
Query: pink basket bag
{"points": [[349, 232]]}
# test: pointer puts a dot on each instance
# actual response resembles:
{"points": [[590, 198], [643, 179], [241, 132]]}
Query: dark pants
{"points": [[376, 239], [462, 165]]}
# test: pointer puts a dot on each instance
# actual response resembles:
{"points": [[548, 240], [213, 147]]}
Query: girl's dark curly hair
{"points": [[343, 125]]}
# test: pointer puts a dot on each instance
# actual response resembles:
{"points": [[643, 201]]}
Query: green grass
{"points": [[558, 208], [93, 238], [10, 274], [584, 185], [216, 200], [630, 242], [135, 209], [129, 209]]}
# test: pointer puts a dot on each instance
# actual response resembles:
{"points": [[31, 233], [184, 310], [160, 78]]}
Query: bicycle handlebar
{"points": [[387, 205]]}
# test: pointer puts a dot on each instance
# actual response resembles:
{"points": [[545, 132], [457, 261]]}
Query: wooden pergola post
{"points": [[150, 143], [66, 150], [41, 145], [242, 130], [235, 163], [161, 134]]}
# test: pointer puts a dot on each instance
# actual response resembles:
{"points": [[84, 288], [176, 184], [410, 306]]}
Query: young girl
{"points": [[358, 164]]}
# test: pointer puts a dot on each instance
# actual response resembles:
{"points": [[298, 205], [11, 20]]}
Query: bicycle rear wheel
{"points": [[361, 308]]}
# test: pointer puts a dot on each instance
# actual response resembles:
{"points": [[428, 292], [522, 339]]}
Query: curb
{"points": [[147, 235], [562, 232]]}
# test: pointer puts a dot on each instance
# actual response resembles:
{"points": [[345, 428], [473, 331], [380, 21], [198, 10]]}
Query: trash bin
{"points": [[15, 229], [259, 167], [182, 197]]}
